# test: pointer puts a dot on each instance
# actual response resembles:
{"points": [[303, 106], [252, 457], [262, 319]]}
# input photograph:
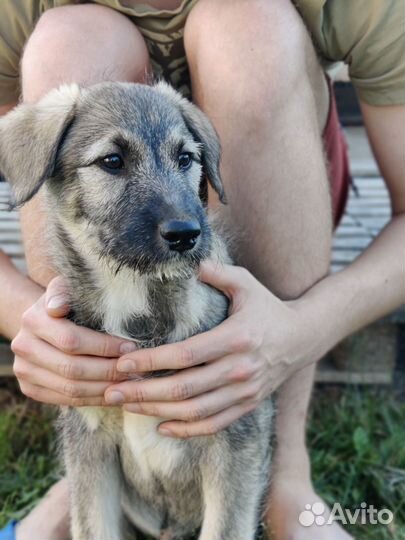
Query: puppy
{"points": [[124, 168]]}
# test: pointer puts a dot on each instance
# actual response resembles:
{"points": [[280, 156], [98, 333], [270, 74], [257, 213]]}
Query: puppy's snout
{"points": [[180, 235]]}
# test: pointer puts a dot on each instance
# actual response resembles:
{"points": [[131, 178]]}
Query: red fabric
{"points": [[338, 160]]}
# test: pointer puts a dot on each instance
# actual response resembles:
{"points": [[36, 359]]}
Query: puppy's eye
{"points": [[185, 160], [112, 163]]}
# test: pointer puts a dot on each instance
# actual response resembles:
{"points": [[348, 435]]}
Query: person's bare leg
{"points": [[85, 44], [256, 75]]}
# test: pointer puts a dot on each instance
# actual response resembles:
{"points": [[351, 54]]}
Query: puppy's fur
{"points": [[125, 281]]}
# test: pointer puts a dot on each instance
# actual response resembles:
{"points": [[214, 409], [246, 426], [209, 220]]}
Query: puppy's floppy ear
{"points": [[203, 133], [30, 137]]}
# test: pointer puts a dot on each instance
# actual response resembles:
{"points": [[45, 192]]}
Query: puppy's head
{"points": [[126, 168]]}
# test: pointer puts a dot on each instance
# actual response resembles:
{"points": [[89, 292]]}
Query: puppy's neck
{"points": [[150, 309]]}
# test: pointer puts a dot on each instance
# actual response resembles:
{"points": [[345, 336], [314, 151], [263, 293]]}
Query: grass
{"points": [[358, 454], [356, 439], [28, 463]]}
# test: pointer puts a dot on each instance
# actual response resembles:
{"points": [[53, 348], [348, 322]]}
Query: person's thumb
{"points": [[224, 277], [57, 299]]}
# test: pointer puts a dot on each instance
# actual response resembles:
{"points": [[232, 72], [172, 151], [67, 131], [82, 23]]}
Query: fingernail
{"points": [[114, 397], [55, 302], [127, 347], [166, 432], [126, 366]]}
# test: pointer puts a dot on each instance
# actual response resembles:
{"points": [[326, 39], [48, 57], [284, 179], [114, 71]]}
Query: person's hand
{"points": [[59, 362], [225, 372]]}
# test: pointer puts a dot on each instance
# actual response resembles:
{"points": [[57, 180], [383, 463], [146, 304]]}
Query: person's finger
{"points": [[35, 375], [73, 339], [184, 384], [44, 395], [227, 338], [224, 277], [57, 298], [84, 368], [198, 408], [206, 427]]}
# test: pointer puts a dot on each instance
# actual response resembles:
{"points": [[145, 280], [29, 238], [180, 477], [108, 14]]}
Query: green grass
{"points": [[357, 446], [28, 463], [356, 440]]}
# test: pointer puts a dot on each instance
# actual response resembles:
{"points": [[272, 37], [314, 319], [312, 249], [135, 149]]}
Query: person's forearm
{"points": [[18, 293], [371, 287]]}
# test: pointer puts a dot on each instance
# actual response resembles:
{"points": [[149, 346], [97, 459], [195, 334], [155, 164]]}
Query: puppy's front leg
{"points": [[93, 470], [233, 486]]}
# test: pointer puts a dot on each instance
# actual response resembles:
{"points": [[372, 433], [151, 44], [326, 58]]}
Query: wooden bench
{"points": [[370, 356], [11, 244]]}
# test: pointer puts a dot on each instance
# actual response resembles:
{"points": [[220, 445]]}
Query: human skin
{"points": [[276, 338]]}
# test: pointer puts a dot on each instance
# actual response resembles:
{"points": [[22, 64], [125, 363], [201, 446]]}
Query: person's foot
{"points": [[49, 520], [291, 514]]}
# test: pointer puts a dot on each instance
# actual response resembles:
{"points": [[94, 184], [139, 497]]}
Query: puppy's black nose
{"points": [[180, 235]]}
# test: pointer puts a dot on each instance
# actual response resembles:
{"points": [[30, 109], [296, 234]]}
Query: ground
{"points": [[355, 437]]}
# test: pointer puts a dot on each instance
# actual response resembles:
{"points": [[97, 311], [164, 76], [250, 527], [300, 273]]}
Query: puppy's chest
{"points": [[150, 312], [150, 316], [146, 454]]}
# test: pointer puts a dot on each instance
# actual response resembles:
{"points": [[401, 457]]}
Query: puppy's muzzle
{"points": [[180, 235]]}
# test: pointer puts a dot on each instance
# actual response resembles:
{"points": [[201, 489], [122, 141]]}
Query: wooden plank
{"points": [[335, 376], [347, 220], [370, 211], [350, 231], [363, 202], [358, 189], [9, 216], [354, 242], [13, 250], [370, 183], [345, 256], [374, 223], [373, 197], [366, 168], [9, 226], [328, 373], [7, 237]]}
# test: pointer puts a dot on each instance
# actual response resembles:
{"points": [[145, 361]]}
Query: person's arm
{"points": [[18, 293], [374, 284], [265, 340]]}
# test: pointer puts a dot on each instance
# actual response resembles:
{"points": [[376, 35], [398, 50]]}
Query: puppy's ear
{"points": [[30, 137], [203, 133]]}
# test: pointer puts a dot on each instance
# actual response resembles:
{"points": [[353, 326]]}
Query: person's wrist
{"points": [[316, 327], [20, 293]]}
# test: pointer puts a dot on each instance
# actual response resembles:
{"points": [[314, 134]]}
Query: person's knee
{"points": [[84, 44], [247, 50]]}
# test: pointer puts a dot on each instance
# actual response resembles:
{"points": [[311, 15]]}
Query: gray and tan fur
{"points": [[125, 280]]}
